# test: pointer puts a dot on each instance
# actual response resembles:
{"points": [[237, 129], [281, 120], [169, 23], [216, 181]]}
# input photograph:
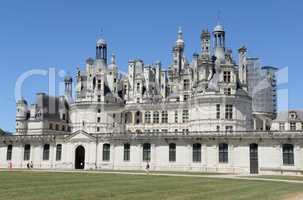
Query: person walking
{"points": [[147, 167]]}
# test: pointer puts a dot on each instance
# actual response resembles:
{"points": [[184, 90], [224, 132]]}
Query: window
{"points": [[164, 117], [46, 152], [57, 127], [63, 128], [138, 87], [227, 91], [9, 152], [223, 153], [98, 129], [281, 126], [27, 151], [229, 129], [63, 116], [147, 117], [176, 116], [98, 119], [228, 111], [226, 76], [99, 98], [172, 152], [196, 152], [186, 97], [126, 155], [58, 152], [185, 116], [106, 152], [99, 110], [146, 152], [288, 154], [292, 126], [50, 126], [186, 84], [218, 111], [156, 117], [218, 128]]}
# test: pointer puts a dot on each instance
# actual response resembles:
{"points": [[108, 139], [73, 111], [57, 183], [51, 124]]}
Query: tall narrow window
{"points": [[106, 152], [223, 153], [186, 85], [156, 117], [176, 116], [229, 129], [164, 116], [196, 152], [218, 111], [288, 154], [46, 152], [27, 152], [226, 76], [292, 126], [126, 155], [58, 152], [185, 116], [9, 152], [172, 152], [147, 117], [146, 152], [229, 112], [281, 126]]}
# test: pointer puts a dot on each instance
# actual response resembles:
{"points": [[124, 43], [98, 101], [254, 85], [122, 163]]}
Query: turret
{"points": [[178, 51], [219, 42], [22, 115], [205, 42], [101, 50], [243, 67], [68, 82]]}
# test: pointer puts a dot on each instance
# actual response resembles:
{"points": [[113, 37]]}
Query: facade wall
{"points": [[270, 156]]}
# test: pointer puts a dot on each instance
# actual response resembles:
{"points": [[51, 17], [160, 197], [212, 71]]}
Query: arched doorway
{"points": [[79, 157], [253, 154]]}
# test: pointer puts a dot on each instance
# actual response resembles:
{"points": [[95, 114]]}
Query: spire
{"points": [[180, 41], [113, 59]]}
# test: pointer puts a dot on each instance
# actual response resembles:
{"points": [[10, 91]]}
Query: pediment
{"points": [[80, 136]]}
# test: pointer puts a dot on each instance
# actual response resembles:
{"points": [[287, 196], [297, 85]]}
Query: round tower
{"points": [[219, 41], [21, 116], [101, 50], [205, 42]]}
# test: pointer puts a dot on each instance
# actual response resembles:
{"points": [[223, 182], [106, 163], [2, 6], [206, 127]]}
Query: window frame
{"points": [[196, 150], [223, 152], [106, 152]]}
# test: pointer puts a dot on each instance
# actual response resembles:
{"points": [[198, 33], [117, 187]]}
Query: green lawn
{"points": [[295, 178], [89, 186]]}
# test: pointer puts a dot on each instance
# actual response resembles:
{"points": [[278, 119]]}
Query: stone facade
{"points": [[203, 115]]}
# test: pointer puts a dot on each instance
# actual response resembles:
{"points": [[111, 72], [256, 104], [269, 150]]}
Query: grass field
{"points": [[89, 186]]}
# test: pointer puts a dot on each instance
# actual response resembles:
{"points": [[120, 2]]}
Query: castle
{"points": [[213, 114]]}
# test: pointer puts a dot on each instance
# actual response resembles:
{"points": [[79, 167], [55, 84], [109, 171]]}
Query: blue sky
{"points": [[62, 34]]}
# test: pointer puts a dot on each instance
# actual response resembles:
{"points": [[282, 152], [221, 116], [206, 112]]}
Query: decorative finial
{"points": [[180, 34], [113, 59], [218, 17]]}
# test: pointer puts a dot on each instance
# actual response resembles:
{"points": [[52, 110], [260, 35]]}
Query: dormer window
{"points": [[292, 115]]}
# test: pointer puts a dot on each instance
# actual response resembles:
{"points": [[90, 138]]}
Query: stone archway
{"points": [[79, 157]]}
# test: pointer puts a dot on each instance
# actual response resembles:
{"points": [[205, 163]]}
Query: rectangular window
{"points": [[218, 128], [46, 152], [227, 91], [58, 152], [186, 85], [164, 117], [229, 129], [223, 153], [99, 98], [292, 126], [156, 117], [106, 152], [218, 111], [126, 155], [229, 112], [185, 116], [98, 119], [281, 126], [27, 152], [186, 97], [172, 152], [147, 117], [146, 152], [98, 129], [288, 154], [226, 76], [176, 116], [50, 126], [196, 152], [9, 152]]}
